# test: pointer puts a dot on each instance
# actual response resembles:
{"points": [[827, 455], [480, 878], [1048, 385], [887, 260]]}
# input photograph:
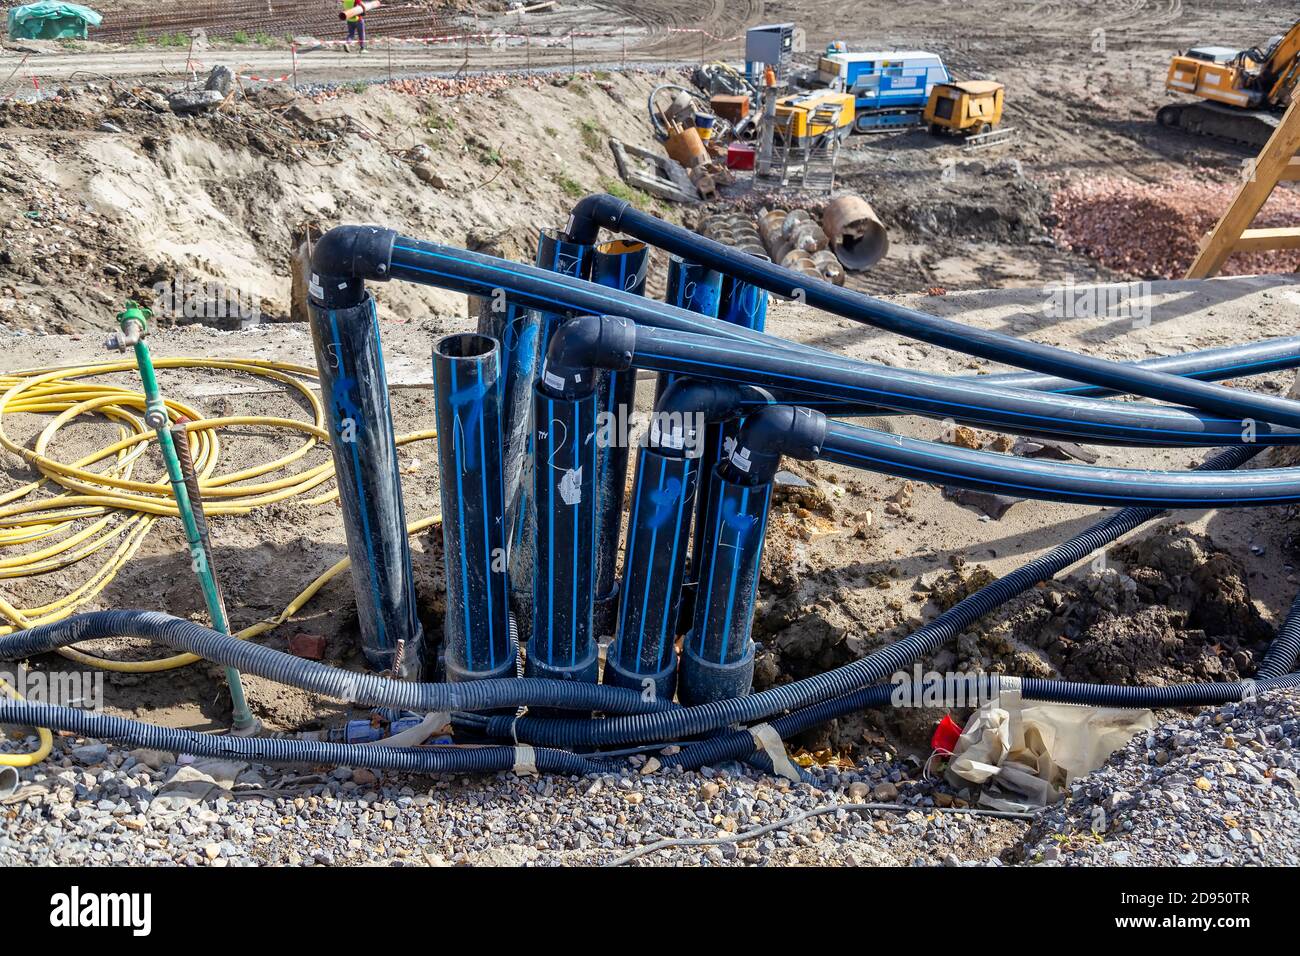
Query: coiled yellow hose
{"points": [[108, 510]]}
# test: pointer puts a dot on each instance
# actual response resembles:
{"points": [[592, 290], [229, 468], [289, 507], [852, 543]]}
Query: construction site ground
{"points": [[511, 153], [851, 562], [104, 196]]}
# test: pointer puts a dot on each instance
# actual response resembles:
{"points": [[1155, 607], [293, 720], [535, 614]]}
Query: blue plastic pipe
{"points": [[354, 388], [604, 211], [617, 264], [643, 654], [744, 305], [563, 644], [517, 329], [558, 256], [467, 402], [718, 653]]}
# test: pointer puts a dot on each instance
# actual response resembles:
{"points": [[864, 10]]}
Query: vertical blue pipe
{"points": [[516, 329], [354, 389], [618, 264], [555, 254], [698, 288], [718, 653], [563, 644], [746, 305], [467, 401], [694, 287], [743, 304], [643, 655]]}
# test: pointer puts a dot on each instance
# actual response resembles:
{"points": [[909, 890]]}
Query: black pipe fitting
{"points": [[359, 252], [770, 433], [343, 258], [689, 403], [591, 214], [582, 345]]}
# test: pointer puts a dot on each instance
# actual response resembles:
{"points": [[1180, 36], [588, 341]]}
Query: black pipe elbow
{"points": [[343, 258], [356, 252], [770, 433], [716, 401], [582, 345], [688, 404], [591, 214]]}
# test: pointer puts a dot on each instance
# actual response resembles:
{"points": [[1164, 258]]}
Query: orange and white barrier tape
{"points": [[266, 79]]}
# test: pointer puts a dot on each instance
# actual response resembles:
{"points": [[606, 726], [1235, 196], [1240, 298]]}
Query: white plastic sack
{"points": [[1030, 754]]}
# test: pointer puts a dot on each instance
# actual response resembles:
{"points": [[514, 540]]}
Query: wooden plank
{"points": [[1274, 160], [1292, 172], [1261, 240]]}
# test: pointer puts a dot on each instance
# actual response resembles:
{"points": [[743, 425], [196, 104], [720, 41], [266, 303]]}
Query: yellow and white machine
{"points": [[965, 108], [1241, 92], [811, 114]]}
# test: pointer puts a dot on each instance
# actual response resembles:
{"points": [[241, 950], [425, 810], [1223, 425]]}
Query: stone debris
{"points": [[1153, 231], [1220, 788], [142, 808], [1217, 789]]}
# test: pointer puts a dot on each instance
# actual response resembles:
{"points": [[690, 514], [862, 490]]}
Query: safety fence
{"points": [[499, 49], [395, 46], [259, 20]]}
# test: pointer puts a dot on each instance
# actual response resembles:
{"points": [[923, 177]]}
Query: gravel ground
{"points": [[1218, 788], [96, 805]]}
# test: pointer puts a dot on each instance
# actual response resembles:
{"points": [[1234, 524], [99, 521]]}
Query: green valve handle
{"points": [[134, 312], [133, 321]]}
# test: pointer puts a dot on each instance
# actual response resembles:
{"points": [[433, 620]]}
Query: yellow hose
{"points": [[42, 734], [120, 508]]}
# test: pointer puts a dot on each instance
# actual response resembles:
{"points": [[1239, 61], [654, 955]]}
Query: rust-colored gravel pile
{"points": [[1153, 232]]}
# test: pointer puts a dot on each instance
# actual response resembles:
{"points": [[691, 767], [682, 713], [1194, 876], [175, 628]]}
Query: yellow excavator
{"points": [[1241, 93]]}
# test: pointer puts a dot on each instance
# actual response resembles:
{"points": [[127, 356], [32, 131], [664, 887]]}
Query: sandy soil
{"points": [[214, 199]]}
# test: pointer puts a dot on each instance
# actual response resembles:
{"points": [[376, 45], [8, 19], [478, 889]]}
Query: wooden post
{"points": [[528, 48], [625, 46], [303, 237], [573, 56], [293, 52], [1276, 163], [390, 59]]}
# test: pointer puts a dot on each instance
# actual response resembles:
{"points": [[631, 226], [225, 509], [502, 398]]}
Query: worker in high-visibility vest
{"points": [[357, 24]]}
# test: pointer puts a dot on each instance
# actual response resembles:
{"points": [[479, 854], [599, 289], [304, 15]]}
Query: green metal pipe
{"points": [[133, 321]]}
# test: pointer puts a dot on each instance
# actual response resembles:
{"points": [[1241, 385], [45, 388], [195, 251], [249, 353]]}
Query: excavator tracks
{"points": [[1245, 127]]}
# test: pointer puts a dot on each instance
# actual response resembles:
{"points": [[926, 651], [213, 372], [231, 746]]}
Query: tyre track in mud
{"points": [[720, 18]]}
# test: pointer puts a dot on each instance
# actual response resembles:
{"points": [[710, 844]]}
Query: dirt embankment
{"points": [[111, 188]]}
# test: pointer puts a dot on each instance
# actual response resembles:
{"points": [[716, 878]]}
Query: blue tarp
{"points": [[50, 20]]}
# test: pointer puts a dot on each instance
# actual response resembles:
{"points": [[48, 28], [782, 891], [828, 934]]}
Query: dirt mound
{"points": [[1180, 611], [107, 184], [1154, 231], [1168, 608], [986, 201]]}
